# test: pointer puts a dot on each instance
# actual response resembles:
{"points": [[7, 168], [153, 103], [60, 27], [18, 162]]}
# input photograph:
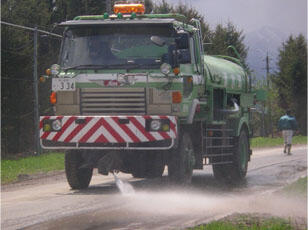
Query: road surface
{"points": [[48, 202]]}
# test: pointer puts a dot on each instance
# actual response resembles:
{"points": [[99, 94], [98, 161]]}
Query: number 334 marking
{"points": [[62, 84]]}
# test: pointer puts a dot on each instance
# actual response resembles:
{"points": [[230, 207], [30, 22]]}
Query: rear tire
{"points": [[78, 178], [240, 162], [182, 161], [235, 172]]}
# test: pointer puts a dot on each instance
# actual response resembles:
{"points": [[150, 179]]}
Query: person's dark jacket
{"points": [[287, 122]]}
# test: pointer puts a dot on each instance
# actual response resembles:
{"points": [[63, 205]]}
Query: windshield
{"points": [[115, 46]]}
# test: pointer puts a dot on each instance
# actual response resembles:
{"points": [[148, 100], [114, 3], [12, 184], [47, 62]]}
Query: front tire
{"points": [[78, 178], [182, 160]]}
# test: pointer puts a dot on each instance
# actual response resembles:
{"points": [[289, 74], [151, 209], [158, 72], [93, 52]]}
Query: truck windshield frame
{"points": [[116, 46]]}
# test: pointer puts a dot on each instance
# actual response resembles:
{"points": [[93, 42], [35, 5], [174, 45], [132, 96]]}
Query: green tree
{"points": [[291, 79], [17, 70], [67, 10], [164, 8], [216, 41], [224, 36], [148, 6]]}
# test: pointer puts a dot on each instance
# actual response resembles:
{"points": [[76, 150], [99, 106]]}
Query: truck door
{"points": [[218, 104], [196, 57]]}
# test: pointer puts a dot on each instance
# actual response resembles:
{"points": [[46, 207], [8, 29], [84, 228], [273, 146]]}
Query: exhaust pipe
{"points": [[234, 110]]}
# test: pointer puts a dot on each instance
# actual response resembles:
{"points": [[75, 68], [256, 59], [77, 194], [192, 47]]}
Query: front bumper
{"points": [[107, 132]]}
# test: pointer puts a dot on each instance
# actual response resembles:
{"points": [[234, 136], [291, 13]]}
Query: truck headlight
{"points": [[54, 69], [165, 68], [155, 125], [56, 125], [158, 125]]}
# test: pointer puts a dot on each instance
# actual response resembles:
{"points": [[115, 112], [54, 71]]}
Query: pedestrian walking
{"points": [[287, 124]]}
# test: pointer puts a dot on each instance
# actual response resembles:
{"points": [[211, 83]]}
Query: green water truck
{"points": [[134, 92]]}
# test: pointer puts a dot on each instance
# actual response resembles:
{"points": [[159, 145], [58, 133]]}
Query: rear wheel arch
{"points": [[243, 124], [244, 127], [235, 173]]}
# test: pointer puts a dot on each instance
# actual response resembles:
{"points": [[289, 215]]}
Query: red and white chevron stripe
{"points": [[107, 129]]}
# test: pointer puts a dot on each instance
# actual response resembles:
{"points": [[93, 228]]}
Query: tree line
{"points": [[17, 60]]}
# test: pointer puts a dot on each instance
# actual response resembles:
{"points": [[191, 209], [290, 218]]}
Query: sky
{"points": [[288, 16]]}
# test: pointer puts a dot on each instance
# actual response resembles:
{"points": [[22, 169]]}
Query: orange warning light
{"points": [[128, 8], [53, 98], [176, 97]]}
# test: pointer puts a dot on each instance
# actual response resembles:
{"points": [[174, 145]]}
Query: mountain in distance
{"points": [[260, 42]]}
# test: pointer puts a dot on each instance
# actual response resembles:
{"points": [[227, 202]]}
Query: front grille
{"points": [[107, 101]]}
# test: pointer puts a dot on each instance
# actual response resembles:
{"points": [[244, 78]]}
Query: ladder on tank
{"points": [[218, 145]]}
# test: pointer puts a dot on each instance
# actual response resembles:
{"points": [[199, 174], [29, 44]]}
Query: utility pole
{"points": [[35, 92], [269, 99], [108, 6], [263, 120], [35, 80]]}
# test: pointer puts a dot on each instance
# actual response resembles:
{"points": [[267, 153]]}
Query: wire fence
{"points": [[24, 50]]}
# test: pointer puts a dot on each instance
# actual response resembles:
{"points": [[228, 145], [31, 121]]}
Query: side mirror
{"points": [[158, 41], [184, 56], [182, 41], [182, 45]]}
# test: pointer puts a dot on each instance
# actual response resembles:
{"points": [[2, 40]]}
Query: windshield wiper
{"points": [[112, 66], [136, 65], [86, 67]]}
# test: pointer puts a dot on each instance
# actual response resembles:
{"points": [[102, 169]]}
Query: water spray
{"points": [[124, 187]]}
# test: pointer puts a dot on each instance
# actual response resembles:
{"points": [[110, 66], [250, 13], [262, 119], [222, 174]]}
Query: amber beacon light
{"points": [[176, 97], [125, 7], [53, 98]]}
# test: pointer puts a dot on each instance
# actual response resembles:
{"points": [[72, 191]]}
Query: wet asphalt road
{"points": [[50, 204]]}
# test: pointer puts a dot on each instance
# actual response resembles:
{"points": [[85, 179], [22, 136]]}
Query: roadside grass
{"points": [[12, 169], [246, 222], [297, 188], [257, 221], [261, 142]]}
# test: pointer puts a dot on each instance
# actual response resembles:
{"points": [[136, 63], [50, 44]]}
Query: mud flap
{"points": [[111, 161]]}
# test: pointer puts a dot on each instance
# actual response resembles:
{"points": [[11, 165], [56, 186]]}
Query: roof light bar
{"points": [[125, 7]]}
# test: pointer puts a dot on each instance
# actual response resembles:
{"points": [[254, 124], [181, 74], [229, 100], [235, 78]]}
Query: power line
{"points": [[15, 79], [22, 116], [35, 31], [28, 44], [32, 29], [15, 53]]}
